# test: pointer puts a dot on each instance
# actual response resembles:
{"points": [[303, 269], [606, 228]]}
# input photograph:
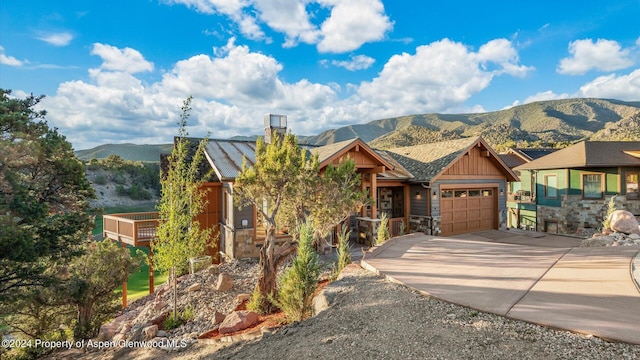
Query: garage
{"points": [[467, 210]]}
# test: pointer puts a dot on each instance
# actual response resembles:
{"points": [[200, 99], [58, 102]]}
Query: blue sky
{"points": [[118, 71]]}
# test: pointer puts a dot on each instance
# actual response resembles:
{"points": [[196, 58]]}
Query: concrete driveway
{"points": [[535, 277]]}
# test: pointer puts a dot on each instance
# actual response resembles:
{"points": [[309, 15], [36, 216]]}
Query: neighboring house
{"points": [[443, 188], [569, 189], [521, 202]]}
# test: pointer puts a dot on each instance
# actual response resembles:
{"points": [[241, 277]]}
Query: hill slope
{"points": [[150, 153], [554, 120], [551, 121]]}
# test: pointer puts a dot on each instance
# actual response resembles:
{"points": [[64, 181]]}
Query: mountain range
{"points": [[543, 123]]}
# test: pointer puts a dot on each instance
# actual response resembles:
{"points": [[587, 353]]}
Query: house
{"points": [[521, 203], [457, 186], [569, 189], [444, 188]]}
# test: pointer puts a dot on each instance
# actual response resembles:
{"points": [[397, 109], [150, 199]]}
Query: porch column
{"points": [[124, 283], [374, 195], [363, 211], [407, 206], [151, 275]]}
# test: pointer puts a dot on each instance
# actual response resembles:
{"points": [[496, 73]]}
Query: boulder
{"points": [[218, 318], [243, 297], [225, 282], [623, 221], [194, 287], [159, 319], [150, 332], [598, 241], [238, 320]]}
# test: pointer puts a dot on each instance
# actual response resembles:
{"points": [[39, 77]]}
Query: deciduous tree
{"points": [[180, 236]]}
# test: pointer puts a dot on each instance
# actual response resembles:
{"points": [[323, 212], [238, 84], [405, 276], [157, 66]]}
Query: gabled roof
{"points": [[588, 154], [328, 153], [518, 156], [512, 160], [427, 161]]}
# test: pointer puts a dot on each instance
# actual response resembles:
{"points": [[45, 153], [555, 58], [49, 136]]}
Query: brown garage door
{"points": [[467, 210]]}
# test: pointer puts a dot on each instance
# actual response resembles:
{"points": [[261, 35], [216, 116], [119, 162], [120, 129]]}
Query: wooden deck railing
{"points": [[137, 229]]}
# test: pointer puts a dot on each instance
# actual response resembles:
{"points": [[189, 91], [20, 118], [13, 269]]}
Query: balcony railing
{"points": [[522, 198], [137, 229]]}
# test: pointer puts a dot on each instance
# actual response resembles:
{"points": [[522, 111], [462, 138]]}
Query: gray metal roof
{"points": [[226, 156]]}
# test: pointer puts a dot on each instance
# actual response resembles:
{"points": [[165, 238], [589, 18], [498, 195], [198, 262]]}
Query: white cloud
{"points": [[10, 60], [234, 87], [439, 77], [501, 52], [603, 55], [126, 60], [56, 39], [353, 23], [544, 96], [357, 62], [289, 17], [236, 10], [621, 87]]}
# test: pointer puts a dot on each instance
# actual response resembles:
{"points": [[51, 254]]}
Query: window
{"points": [[631, 181], [592, 186], [474, 193], [460, 193], [551, 186]]}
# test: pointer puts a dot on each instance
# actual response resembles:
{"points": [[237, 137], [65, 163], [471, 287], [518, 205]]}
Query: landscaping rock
{"points": [[238, 320], [623, 221], [159, 320], [218, 318], [150, 332], [225, 282], [598, 241], [243, 297], [194, 287], [162, 334]]}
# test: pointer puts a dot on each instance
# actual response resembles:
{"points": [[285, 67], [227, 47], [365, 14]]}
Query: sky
{"points": [[118, 71]]}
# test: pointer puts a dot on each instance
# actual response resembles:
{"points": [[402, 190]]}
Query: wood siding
{"points": [[210, 218], [419, 200], [478, 162]]}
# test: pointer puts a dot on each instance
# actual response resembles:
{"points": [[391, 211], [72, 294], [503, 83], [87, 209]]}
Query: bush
{"points": [[299, 281], [180, 319], [383, 230], [610, 208], [344, 250], [100, 180]]}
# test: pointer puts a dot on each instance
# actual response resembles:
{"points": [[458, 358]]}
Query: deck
{"points": [[136, 229]]}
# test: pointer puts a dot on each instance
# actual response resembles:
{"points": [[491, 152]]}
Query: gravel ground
{"points": [[371, 318]]}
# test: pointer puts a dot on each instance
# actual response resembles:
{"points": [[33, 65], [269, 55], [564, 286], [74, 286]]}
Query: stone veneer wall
{"points": [[577, 212], [430, 225]]}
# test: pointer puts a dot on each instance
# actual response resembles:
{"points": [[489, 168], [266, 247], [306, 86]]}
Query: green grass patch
{"points": [[138, 284]]}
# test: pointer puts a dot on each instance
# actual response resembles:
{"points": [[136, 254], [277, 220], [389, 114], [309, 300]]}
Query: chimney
{"points": [[274, 125]]}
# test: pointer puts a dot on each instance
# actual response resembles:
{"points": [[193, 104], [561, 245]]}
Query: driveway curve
{"points": [[535, 277]]}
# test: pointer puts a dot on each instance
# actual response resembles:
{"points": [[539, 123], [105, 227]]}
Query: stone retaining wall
{"points": [[577, 213]]}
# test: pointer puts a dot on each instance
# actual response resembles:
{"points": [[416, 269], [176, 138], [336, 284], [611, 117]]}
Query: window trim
{"points": [[636, 195], [602, 185], [546, 186]]}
